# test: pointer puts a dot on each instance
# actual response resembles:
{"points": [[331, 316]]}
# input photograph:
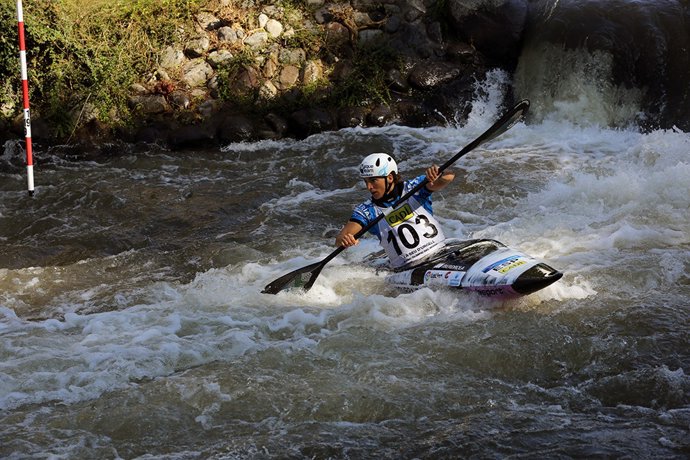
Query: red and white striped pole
{"points": [[25, 91]]}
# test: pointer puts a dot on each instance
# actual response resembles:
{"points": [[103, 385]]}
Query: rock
{"points": [[162, 74], [380, 115], [149, 134], [197, 47], [270, 67], [212, 86], [277, 123], [288, 77], [208, 21], [392, 24], [196, 73], [139, 89], [229, 35], [337, 35], [415, 10], [312, 72], [268, 90], [494, 27], [257, 40], [412, 40], [218, 58], [274, 28], [414, 114], [310, 121], [369, 35], [191, 136], [248, 79], [148, 105], [396, 81], [199, 93], [349, 117], [323, 15], [172, 58], [434, 32], [292, 56], [432, 43], [427, 75], [235, 128], [461, 52], [208, 109], [362, 19], [180, 99], [342, 71]]}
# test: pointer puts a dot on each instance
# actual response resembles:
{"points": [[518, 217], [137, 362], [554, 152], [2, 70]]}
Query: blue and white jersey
{"points": [[408, 233]]}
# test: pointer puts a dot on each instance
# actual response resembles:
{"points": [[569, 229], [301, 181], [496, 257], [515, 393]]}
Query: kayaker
{"points": [[409, 233]]}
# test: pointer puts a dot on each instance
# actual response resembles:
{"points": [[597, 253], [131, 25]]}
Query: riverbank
{"points": [[213, 72]]}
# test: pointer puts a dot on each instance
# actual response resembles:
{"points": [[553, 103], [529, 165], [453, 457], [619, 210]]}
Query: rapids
{"points": [[132, 323], [633, 55]]}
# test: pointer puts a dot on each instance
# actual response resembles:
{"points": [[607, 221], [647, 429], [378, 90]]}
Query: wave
{"points": [[614, 63]]}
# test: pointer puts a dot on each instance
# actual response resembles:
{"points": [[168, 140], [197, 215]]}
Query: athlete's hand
{"points": [[432, 173], [438, 181], [346, 240]]}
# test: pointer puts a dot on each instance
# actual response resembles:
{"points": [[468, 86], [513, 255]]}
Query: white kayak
{"points": [[484, 266]]}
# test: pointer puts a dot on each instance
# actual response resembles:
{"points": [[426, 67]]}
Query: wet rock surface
{"points": [[286, 73]]}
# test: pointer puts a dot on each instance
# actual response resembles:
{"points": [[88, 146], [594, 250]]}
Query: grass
{"points": [[81, 52], [84, 55]]}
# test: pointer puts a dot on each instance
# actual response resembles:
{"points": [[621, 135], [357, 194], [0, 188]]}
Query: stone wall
{"points": [[240, 74]]}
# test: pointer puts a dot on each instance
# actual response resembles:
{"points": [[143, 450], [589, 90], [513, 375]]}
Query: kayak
{"points": [[484, 266]]}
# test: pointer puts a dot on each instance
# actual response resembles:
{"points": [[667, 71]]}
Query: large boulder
{"points": [[494, 27], [310, 121]]}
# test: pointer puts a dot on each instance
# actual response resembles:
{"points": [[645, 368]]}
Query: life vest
{"points": [[409, 233]]}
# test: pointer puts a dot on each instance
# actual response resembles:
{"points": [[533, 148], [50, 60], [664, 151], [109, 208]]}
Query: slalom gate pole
{"points": [[25, 92]]}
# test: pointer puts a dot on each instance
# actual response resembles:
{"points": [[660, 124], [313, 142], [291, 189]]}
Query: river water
{"points": [[132, 323]]}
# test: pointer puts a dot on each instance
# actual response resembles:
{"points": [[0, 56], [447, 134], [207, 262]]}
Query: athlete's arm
{"points": [[438, 181], [346, 237]]}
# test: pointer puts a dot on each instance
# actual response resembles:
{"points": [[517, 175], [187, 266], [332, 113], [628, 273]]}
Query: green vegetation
{"points": [[229, 89], [87, 53], [366, 83]]}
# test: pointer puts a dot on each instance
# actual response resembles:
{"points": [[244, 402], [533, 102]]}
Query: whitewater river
{"points": [[132, 322]]}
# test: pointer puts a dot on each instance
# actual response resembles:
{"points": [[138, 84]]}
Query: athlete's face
{"points": [[377, 185]]}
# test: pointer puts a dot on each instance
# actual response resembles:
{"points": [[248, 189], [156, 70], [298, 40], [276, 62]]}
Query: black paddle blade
{"points": [[509, 119], [513, 116], [301, 278]]}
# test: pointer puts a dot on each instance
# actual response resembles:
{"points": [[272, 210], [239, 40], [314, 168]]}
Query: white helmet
{"points": [[377, 165]]}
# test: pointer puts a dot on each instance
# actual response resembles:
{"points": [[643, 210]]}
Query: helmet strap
{"points": [[389, 187]]}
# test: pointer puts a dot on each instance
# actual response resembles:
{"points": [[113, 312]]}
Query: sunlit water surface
{"points": [[132, 323]]}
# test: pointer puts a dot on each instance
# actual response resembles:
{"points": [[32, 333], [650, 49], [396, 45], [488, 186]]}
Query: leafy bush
{"points": [[91, 52], [84, 56]]}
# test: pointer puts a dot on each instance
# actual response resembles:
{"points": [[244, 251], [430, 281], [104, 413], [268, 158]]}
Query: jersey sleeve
{"points": [[363, 214], [360, 215]]}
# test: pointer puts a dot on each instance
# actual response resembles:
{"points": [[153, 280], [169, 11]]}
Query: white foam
{"points": [[587, 200]]}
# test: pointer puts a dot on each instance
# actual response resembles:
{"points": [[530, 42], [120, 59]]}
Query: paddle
{"points": [[305, 276]]}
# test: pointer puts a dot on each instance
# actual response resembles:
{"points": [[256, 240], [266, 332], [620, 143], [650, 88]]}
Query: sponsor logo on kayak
{"points": [[455, 279], [491, 292], [399, 215], [511, 265], [433, 275], [460, 268], [505, 265]]}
